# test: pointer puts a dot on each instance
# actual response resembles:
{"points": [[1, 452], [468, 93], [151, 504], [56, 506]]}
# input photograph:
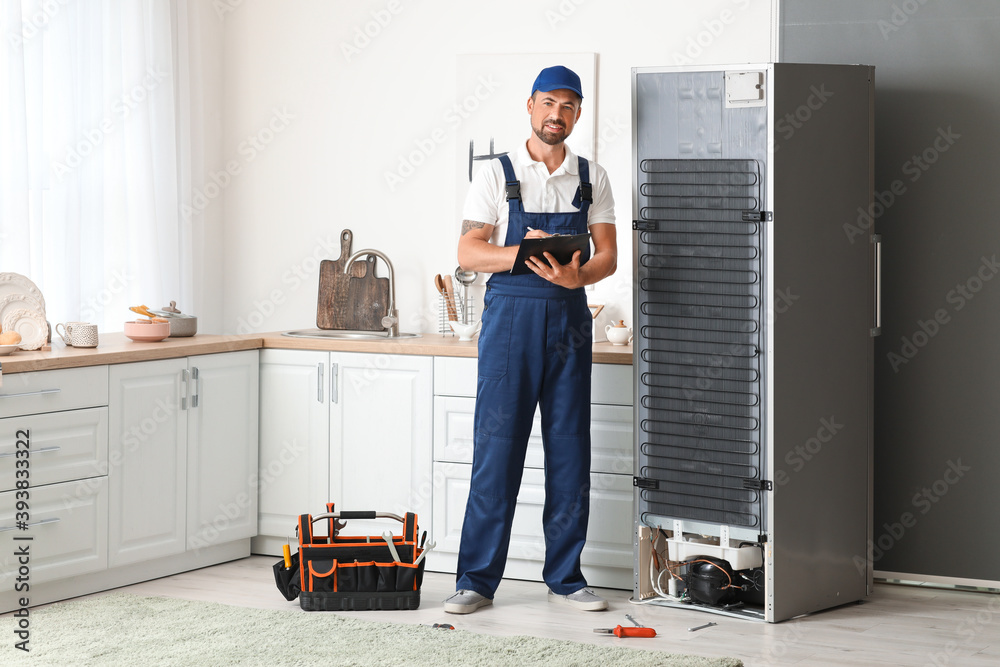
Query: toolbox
{"points": [[337, 572]]}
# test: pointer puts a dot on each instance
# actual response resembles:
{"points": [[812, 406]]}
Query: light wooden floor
{"points": [[900, 625]]}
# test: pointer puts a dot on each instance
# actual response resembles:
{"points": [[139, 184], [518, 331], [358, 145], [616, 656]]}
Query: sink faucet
{"points": [[390, 321]]}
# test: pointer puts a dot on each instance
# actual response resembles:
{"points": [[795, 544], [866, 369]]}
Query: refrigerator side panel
{"points": [[822, 319]]}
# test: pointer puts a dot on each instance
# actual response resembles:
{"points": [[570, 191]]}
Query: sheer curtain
{"points": [[95, 141]]}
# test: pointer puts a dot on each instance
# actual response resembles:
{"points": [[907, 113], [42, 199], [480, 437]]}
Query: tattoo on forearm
{"points": [[471, 224]]}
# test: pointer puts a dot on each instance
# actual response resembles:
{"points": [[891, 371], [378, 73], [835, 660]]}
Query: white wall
{"points": [[329, 124]]}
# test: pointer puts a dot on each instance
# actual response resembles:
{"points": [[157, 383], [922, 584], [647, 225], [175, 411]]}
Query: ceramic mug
{"points": [[84, 335], [67, 331], [618, 335]]}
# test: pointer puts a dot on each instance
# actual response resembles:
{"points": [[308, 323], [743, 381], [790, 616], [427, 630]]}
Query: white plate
{"points": [[17, 301], [30, 324], [7, 349], [15, 283]]}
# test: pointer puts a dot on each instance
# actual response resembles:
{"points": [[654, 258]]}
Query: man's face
{"points": [[553, 114]]}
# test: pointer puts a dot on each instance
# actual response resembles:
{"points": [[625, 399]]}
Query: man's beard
{"points": [[549, 137]]}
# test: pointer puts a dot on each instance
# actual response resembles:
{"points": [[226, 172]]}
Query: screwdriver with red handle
{"points": [[620, 631]]}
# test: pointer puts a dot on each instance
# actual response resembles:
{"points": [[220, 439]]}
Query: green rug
{"points": [[122, 629]]}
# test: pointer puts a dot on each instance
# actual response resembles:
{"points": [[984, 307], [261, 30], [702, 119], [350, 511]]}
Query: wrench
{"points": [[430, 545], [701, 627], [387, 536]]}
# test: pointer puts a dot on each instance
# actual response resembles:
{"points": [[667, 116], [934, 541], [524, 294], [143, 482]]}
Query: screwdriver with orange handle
{"points": [[620, 631]]}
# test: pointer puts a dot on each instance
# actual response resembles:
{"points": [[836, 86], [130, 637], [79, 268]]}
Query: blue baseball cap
{"points": [[557, 78]]}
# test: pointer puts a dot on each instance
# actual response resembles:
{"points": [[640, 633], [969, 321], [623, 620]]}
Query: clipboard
{"points": [[559, 246]]}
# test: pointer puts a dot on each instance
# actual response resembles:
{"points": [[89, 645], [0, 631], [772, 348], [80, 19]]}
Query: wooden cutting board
{"points": [[333, 310], [368, 297]]}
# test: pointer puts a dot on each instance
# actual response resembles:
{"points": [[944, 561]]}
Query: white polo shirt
{"points": [[541, 192]]}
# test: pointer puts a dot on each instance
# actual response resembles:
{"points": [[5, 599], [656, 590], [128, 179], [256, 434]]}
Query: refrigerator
{"points": [[756, 302]]}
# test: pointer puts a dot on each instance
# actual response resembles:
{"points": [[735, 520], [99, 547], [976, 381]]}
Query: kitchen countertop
{"points": [[430, 344], [115, 348]]}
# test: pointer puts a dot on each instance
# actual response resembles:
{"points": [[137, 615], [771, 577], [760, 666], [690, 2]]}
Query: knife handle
{"points": [[634, 632]]}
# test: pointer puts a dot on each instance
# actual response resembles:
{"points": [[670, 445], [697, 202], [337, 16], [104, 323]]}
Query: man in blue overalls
{"points": [[535, 346]]}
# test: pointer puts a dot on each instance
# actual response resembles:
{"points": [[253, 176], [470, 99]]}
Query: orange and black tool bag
{"points": [[336, 572]]}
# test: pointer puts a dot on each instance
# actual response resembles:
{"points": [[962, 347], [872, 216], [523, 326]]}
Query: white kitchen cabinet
{"points": [[349, 428], [138, 470], [65, 445], [294, 459], [183, 460], [607, 559], [61, 418], [68, 531], [222, 451], [148, 460], [381, 437]]}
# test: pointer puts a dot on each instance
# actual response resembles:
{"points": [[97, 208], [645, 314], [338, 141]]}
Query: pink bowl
{"points": [[144, 331]]}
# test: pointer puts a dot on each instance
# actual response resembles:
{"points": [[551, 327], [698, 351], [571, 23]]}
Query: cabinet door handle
{"points": [[877, 241], [334, 370], [32, 451], [319, 382], [184, 388], [31, 393], [194, 396], [31, 525]]}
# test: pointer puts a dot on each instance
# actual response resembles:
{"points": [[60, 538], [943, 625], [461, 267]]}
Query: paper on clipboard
{"points": [[560, 247]]}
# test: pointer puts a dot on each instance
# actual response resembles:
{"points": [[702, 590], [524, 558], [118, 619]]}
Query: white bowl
{"points": [[7, 349]]}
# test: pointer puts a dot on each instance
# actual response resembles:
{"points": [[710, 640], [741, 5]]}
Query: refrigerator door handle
{"points": [[877, 242]]}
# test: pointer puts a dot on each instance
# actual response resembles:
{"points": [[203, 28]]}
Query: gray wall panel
{"points": [[935, 399]]}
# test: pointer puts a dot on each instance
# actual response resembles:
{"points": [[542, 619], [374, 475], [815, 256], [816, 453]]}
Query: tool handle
{"points": [[634, 632], [286, 551]]}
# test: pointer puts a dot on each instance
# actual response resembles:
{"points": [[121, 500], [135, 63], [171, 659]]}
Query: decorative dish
{"points": [[30, 324]]}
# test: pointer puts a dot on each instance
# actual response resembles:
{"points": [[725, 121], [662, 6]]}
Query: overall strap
{"points": [[513, 186], [584, 194]]}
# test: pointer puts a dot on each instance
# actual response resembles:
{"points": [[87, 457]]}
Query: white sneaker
{"points": [[465, 602], [584, 599]]}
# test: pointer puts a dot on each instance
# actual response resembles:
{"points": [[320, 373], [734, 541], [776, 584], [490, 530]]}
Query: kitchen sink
{"points": [[346, 334]]}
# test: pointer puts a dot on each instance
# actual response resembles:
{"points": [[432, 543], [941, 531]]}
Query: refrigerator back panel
{"points": [[699, 249]]}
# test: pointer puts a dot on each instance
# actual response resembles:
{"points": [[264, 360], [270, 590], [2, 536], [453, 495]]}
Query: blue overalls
{"points": [[534, 349]]}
